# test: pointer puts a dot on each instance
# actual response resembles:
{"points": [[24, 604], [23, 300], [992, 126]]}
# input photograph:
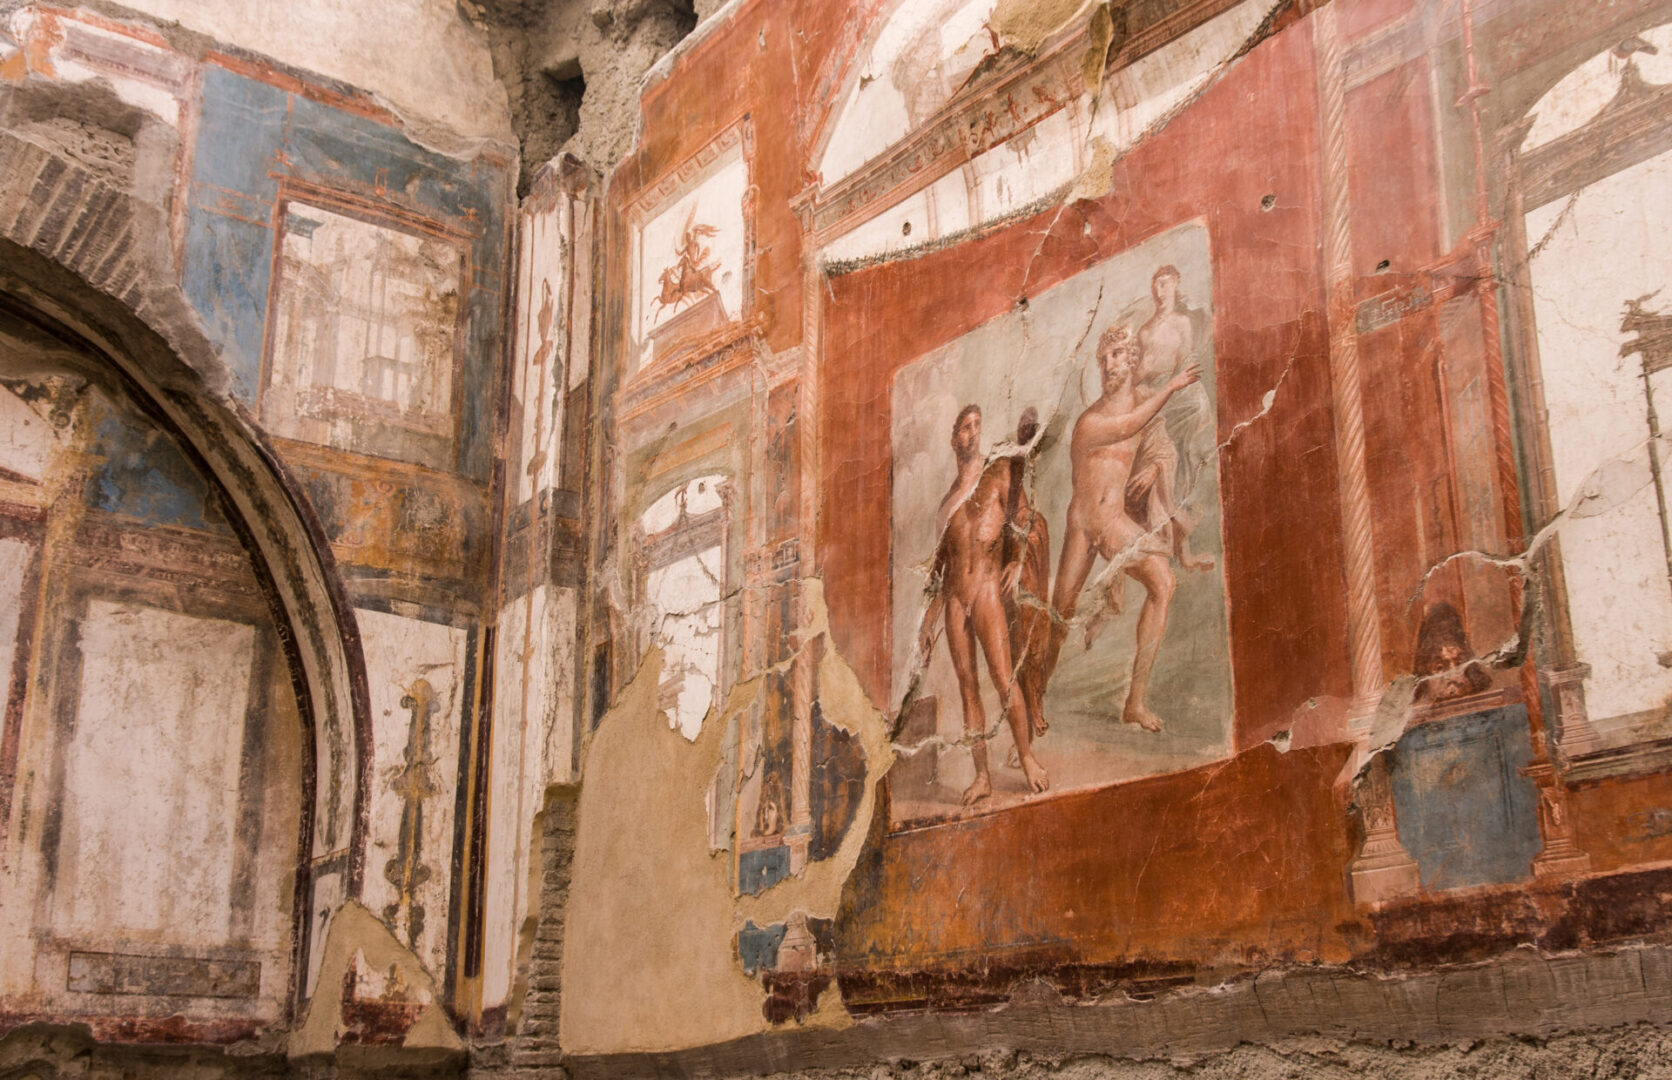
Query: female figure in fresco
{"points": [[1165, 343]]}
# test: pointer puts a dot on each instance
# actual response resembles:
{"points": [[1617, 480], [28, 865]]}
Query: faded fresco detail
{"points": [[691, 251], [1599, 270], [683, 562], [1245, 520], [365, 326], [1065, 546], [419, 717], [336, 289], [150, 739], [997, 522]]}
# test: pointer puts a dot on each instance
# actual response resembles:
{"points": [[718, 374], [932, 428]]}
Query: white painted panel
{"points": [[1611, 244], [1027, 167], [542, 347], [533, 742], [14, 563], [26, 439], [899, 228], [364, 325], [1586, 90], [416, 672], [714, 210], [686, 595], [507, 831], [151, 775], [920, 56]]}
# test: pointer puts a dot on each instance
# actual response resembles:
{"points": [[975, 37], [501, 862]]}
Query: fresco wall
{"points": [[151, 738], [990, 506], [353, 284], [1175, 494]]}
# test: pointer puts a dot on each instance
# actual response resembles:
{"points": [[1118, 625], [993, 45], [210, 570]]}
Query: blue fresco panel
{"points": [[1465, 812]]}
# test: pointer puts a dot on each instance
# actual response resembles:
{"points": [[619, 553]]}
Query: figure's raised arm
{"points": [[1099, 430]]}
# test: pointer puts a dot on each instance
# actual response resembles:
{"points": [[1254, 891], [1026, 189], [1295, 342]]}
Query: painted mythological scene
{"points": [[1056, 515]]}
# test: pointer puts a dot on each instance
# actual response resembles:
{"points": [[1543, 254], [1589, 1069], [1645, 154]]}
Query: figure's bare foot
{"points": [[981, 789], [1013, 760], [1194, 562], [1137, 714], [1035, 772]]}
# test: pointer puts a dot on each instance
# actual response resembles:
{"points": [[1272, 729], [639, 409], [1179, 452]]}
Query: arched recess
{"points": [[84, 260]]}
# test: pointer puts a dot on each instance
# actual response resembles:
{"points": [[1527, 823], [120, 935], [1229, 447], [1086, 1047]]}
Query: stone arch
{"points": [[86, 259]]}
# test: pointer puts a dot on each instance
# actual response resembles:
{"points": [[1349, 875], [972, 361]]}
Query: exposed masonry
{"points": [[1513, 1016], [571, 70], [536, 1044]]}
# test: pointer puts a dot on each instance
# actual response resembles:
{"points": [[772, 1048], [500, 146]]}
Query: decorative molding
{"points": [[691, 171], [167, 976], [990, 114]]}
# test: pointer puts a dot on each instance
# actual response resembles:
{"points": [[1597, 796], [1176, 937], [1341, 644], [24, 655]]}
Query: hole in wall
{"points": [[1383, 266], [550, 114], [1268, 202]]}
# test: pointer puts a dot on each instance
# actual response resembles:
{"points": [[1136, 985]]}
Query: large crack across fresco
{"points": [[1611, 484]]}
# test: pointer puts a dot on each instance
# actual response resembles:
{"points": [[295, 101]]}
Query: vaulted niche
{"points": [[152, 756]]}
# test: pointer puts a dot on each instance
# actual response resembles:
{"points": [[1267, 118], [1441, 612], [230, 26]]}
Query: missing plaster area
{"points": [[548, 115], [572, 68]]}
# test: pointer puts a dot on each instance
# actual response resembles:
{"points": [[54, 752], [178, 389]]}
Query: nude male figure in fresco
{"points": [[1102, 453], [971, 579]]}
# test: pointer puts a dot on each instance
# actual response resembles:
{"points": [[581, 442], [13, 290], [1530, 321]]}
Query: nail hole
{"points": [[1268, 202], [1382, 267], [905, 229], [1022, 302]]}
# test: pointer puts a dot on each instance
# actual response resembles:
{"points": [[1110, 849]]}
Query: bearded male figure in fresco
{"points": [[971, 579], [1153, 491], [1102, 454]]}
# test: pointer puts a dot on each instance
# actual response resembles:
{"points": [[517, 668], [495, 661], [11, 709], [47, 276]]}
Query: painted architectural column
{"points": [[1383, 869], [1561, 855], [1364, 634]]}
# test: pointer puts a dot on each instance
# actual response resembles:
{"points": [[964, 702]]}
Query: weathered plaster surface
{"points": [[727, 383], [358, 944], [643, 874], [571, 70], [369, 46]]}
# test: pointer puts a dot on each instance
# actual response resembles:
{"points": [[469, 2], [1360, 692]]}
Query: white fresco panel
{"points": [[364, 327], [15, 556], [542, 347], [689, 254], [26, 438], [416, 671], [151, 775], [1610, 245]]}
